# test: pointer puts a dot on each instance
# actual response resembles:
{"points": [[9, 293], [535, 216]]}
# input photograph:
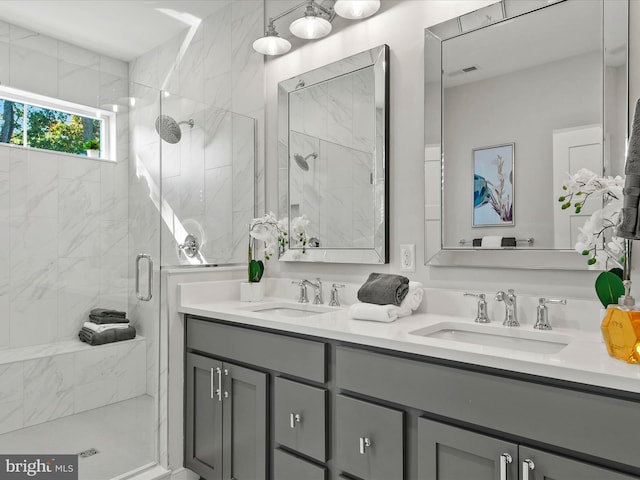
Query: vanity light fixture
{"points": [[271, 43], [314, 24], [356, 9]]}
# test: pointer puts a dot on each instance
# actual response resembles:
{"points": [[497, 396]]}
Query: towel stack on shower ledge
{"points": [[386, 297], [106, 326]]}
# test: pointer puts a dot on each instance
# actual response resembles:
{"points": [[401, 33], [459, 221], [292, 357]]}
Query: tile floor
{"points": [[124, 434]]}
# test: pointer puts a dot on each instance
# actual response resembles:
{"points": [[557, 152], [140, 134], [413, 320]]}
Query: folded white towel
{"points": [[371, 311], [389, 313], [104, 326], [491, 241]]}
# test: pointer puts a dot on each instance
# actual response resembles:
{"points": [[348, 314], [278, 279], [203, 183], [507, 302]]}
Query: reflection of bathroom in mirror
{"points": [[558, 99], [332, 149]]}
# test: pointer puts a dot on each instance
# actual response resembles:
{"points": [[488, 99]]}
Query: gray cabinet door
{"points": [[553, 467], [203, 417], [290, 467], [369, 440], [300, 418], [244, 423], [450, 453]]}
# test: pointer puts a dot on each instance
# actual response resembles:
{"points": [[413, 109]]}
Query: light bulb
{"points": [[356, 9], [310, 27], [271, 45]]}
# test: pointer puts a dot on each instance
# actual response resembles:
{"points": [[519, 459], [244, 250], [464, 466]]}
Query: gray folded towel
{"points": [[100, 319], [108, 336], [106, 312], [629, 222], [384, 289]]}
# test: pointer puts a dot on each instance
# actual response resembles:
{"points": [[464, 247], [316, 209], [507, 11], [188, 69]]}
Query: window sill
{"points": [[54, 152]]}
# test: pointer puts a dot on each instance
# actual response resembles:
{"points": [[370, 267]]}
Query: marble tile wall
{"points": [[63, 219], [41, 389], [336, 193], [209, 71]]}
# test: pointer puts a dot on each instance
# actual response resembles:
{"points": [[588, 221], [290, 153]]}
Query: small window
{"points": [[45, 123], [11, 122]]}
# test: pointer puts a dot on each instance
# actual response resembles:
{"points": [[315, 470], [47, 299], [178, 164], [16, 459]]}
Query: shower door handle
{"points": [[149, 294]]}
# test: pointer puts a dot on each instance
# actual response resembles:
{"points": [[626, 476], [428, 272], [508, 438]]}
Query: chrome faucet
{"points": [[335, 301], [542, 313], [317, 290], [482, 316], [302, 297], [511, 308]]}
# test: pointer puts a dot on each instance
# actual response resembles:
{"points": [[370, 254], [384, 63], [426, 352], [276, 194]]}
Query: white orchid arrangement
{"points": [[273, 233], [596, 239]]}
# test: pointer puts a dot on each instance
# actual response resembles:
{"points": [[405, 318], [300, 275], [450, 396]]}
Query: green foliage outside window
{"points": [[46, 128]]}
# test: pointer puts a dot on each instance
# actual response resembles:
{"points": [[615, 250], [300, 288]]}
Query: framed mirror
{"points": [[517, 96], [333, 164]]}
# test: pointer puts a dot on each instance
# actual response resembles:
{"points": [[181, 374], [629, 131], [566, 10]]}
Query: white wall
{"points": [[542, 100], [400, 24]]}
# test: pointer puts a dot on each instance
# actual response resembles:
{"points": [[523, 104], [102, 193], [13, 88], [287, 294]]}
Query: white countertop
{"points": [[585, 360]]}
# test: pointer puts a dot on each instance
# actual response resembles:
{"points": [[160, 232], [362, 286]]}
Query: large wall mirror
{"points": [[518, 95], [332, 148]]}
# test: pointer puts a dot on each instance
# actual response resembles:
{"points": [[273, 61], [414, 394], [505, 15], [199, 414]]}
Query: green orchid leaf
{"points": [[618, 272], [256, 269], [609, 288]]}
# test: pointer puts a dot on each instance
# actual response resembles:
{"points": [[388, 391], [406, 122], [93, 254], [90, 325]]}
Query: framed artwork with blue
{"points": [[493, 186]]}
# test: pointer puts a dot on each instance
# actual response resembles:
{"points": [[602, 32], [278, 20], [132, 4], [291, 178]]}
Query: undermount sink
{"points": [[296, 310], [513, 338]]}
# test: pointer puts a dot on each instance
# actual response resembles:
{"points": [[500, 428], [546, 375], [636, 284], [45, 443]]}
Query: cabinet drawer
{"points": [[290, 467], [300, 418], [294, 356], [369, 439]]}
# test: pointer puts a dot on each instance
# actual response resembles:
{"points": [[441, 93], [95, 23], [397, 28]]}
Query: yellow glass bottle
{"points": [[621, 331]]}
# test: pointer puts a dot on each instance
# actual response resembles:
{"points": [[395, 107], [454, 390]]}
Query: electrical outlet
{"points": [[408, 257]]}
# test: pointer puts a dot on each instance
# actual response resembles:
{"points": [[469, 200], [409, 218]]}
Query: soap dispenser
{"points": [[621, 328]]}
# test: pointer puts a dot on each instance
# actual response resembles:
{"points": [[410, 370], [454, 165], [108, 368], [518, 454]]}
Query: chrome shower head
{"points": [[169, 129], [302, 161]]}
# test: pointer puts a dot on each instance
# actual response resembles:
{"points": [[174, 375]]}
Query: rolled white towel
{"points": [[376, 313], [412, 300], [491, 241], [99, 328]]}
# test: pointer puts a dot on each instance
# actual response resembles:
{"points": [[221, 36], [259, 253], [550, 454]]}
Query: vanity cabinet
{"points": [[450, 453], [226, 420], [293, 407]]}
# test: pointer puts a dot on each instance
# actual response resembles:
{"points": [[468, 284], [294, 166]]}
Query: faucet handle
{"points": [[482, 316], [302, 298], [549, 301], [335, 301], [542, 315]]}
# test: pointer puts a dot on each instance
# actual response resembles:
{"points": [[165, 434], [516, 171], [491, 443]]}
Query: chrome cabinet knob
{"points": [[293, 419], [364, 443]]}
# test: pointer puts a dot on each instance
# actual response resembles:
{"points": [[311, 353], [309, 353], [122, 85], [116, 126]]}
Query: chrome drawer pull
{"points": [[211, 379], [364, 443], [293, 419], [505, 459], [527, 466]]}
